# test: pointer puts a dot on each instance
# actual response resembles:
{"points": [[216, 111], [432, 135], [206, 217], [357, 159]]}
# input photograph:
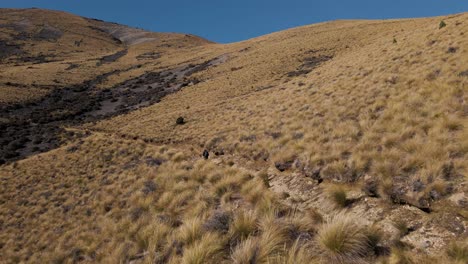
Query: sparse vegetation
{"points": [[282, 128], [442, 24]]}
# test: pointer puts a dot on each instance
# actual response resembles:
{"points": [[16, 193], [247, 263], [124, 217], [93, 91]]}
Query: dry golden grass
{"points": [[395, 112], [106, 202], [344, 240]]}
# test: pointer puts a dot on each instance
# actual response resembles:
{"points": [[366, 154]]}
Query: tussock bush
{"points": [[191, 231], [243, 225], [246, 252], [205, 251], [442, 24], [458, 252], [338, 196], [343, 239]]}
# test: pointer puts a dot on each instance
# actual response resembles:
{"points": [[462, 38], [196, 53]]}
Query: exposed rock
{"points": [[459, 199], [205, 154], [112, 58], [452, 49], [370, 187], [435, 195], [284, 165], [49, 33], [418, 185]]}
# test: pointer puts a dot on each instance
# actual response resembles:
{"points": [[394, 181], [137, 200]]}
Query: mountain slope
{"points": [[352, 128], [49, 49]]}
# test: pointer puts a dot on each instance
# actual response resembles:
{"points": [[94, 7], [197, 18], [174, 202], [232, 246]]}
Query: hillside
{"points": [[338, 142]]}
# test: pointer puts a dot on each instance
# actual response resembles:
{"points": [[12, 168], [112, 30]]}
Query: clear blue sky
{"points": [[234, 20]]}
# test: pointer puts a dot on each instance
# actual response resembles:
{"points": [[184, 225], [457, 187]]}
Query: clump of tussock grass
{"points": [[299, 226], [343, 239], [338, 195], [205, 251], [243, 225], [270, 244], [263, 175], [399, 256], [314, 216], [458, 252], [299, 253], [246, 252], [191, 231], [374, 236], [402, 227]]}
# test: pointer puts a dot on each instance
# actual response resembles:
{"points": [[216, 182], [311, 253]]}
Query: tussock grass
{"points": [[458, 252], [396, 113], [300, 254], [343, 239], [191, 231], [400, 256], [204, 252], [245, 223], [246, 252], [401, 226], [338, 196]]}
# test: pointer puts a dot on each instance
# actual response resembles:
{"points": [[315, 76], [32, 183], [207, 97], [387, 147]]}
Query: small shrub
{"points": [[180, 121], [442, 24]]}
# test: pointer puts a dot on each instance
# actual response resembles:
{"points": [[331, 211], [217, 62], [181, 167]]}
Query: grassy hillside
{"points": [[339, 142]]}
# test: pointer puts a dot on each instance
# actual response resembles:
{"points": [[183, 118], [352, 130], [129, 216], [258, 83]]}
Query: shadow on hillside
{"points": [[35, 127]]}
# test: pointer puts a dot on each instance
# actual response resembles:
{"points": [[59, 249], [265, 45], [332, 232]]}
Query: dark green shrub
{"points": [[180, 120], [442, 24]]}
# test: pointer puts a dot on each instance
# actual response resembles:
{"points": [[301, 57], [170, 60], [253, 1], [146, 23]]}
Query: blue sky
{"points": [[234, 20]]}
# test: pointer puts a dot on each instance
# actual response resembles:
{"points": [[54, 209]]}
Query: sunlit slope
{"points": [[346, 133], [378, 94], [42, 50]]}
